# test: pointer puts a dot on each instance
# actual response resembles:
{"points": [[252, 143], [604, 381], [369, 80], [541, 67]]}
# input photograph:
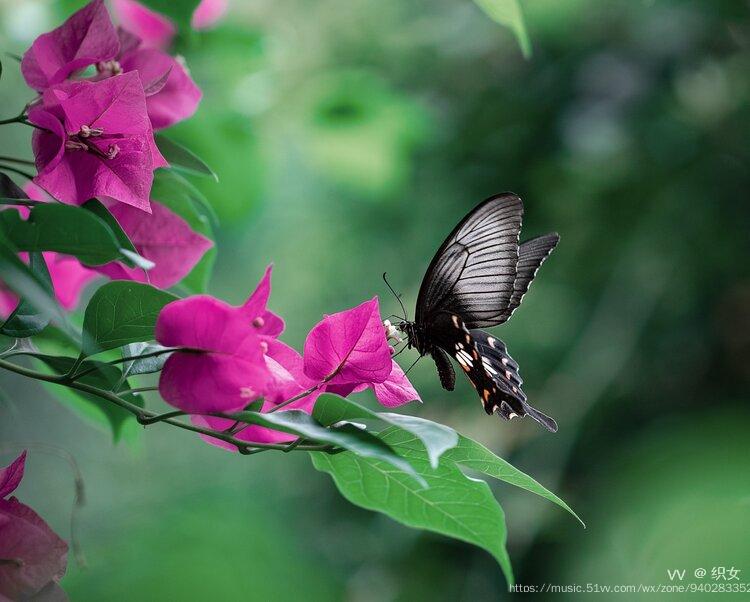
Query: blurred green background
{"points": [[349, 137]]}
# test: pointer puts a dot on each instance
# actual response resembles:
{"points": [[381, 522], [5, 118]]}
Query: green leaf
{"points": [[170, 184], [64, 229], [452, 504], [127, 249], [28, 284], [122, 312], [437, 438], [183, 159], [358, 441], [91, 407], [508, 13], [143, 365], [476, 456], [26, 320]]}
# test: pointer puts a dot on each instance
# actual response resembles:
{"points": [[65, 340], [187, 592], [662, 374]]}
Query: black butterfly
{"points": [[476, 280]]}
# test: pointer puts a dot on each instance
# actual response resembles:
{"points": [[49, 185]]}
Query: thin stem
{"points": [[14, 160], [140, 390], [298, 396], [17, 119], [162, 417], [145, 416], [125, 359]]}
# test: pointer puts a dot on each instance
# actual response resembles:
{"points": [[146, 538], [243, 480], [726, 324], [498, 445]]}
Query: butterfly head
{"points": [[411, 331]]}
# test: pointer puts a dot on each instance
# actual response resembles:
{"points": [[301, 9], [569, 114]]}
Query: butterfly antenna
{"points": [[395, 294]]}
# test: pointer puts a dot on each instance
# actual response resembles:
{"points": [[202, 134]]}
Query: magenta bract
{"points": [[266, 322], [349, 347], [97, 141], [86, 38], [154, 29], [208, 13], [227, 369], [171, 94], [396, 390], [34, 557], [11, 475]]}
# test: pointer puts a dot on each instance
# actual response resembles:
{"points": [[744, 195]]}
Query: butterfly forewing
{"points": [[474, 270]]}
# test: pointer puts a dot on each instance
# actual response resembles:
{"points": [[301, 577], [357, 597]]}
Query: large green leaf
{"points": [[437, 438], [508, 13], [122, 312], [26, 320], [477, 457], [452, 504], [91, 407], [182, 158], [358, 441], [64, 229]]}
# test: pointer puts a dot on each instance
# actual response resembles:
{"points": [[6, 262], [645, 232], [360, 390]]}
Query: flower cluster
{"points": [[103, 92], [32, 557], [231, 356]]}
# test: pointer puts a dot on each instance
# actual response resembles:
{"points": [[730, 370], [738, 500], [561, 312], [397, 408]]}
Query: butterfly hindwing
{"points": [[488, 366]]}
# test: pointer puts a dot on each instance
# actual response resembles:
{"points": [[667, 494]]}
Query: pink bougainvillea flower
{"points": [[33, 556], [96, 141], [154, 29], [350, 352], [11, 475], [171, 94], [208, 13], [288, 381], [349, 347], [225, 368], [266, 322], [162, 237], [86, 38]]}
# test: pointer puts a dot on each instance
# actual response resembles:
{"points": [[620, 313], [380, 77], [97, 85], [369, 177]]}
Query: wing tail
{"points": [[511, 401]]}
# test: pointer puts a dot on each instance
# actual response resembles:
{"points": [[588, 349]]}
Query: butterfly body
{"points": [[476, 280]]}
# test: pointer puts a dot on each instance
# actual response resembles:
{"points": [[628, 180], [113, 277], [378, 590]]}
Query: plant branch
{"points": [[146, 417]]}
